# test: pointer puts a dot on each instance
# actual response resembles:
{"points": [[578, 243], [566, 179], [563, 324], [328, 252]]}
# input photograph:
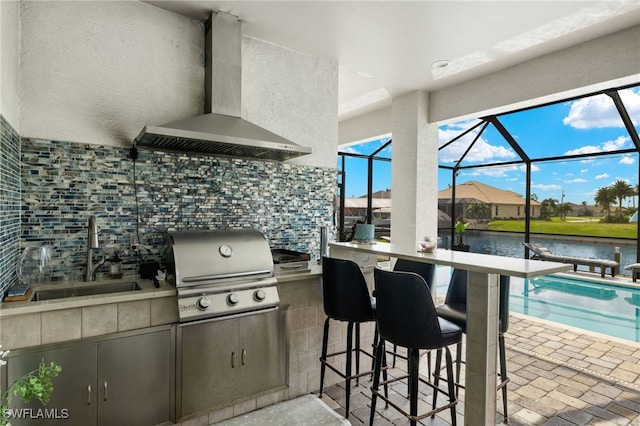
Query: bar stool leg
{"points": [[357, 353], [503, 375], [376, 378], [452, 387], [436, 379], [323, 357], [349, 355], [414, 363], [458, 366]]}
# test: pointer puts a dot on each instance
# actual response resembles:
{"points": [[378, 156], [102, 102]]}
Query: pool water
{"points": [[603, 308]]}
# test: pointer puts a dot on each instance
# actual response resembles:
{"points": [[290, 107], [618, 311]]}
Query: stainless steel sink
{"points": [[60, 293]]}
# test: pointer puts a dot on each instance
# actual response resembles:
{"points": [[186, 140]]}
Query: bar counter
{"points": [[482, 310]]}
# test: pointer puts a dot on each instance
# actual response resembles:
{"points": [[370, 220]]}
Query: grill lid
{"points": [[206, 257]]}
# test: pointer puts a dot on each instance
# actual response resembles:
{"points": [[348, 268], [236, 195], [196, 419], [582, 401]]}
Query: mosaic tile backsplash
{"points": [[9, 203], [64, 183]]}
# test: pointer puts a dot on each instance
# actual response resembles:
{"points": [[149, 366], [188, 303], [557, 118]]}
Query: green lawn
{"points": [[570, 226]]}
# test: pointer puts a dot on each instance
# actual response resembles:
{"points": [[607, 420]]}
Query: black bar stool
{"points": [[346, 298], [407, 317], [427, 272], [455, 310]]}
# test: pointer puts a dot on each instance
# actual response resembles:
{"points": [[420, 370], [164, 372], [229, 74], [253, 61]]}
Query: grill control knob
{"points": [[259, 295], [203, 303], [233, 299]]}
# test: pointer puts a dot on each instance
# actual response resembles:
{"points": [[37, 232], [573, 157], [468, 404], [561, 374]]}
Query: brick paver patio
{"points": [[558, 376]]}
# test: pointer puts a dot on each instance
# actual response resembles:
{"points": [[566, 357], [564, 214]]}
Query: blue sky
{"points": [[587, 125]]}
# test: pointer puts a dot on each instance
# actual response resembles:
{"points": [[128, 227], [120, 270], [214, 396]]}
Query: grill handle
{"points": [[224, 276]]}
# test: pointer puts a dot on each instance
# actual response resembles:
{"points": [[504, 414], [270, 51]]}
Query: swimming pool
{"points": [[608, 309]]}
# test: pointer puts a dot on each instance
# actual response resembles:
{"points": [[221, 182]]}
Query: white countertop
{"points": [[485, 263]]}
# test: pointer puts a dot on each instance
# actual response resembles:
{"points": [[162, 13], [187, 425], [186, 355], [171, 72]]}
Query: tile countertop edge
{"points": [[484, 263], [147, 291]]}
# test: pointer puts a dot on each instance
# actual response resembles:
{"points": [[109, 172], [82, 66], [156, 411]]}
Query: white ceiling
{"points": [[386, 48]]}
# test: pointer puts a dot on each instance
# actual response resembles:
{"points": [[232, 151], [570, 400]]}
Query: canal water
{"points": [[510, 245]]}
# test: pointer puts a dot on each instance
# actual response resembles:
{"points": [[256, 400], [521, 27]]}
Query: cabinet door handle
{"points": [[105, 390], [244, 357], [233, 360], [89, 395]]}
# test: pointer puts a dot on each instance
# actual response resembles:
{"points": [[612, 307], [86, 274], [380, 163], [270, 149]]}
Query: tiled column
{"points": [[481, 349]]}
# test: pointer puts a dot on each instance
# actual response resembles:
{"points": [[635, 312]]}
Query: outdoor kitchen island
{"points": [[482, 330]]}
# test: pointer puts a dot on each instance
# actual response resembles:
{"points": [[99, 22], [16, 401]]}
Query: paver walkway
{"points": [[558, 376]]}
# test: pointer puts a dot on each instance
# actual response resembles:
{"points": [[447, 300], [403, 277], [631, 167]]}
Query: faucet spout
{"points": [[92, 243], [92, 233]]}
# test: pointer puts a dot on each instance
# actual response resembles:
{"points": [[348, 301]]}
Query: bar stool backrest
{"points": [[425, 270], [457, 294], [345, 292], [457, 291], [405, 311]]}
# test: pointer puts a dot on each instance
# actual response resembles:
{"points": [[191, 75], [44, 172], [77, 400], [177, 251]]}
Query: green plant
{"points": [[36, 384], [461, 228]]}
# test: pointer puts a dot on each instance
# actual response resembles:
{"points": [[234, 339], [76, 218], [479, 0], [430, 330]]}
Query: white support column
{"points": [[481, 348], [414, 170]]}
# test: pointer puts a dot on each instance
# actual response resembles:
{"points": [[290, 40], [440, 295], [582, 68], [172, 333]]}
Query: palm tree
{"points": [[563, 209], [604, 198], [548, 208], [621, 190], [479, 211]]}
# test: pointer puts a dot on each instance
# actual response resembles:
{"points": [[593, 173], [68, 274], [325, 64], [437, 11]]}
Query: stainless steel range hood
{"points": [[221, 130]]}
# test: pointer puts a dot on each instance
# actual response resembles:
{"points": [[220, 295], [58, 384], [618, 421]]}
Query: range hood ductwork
{"points": [[220, 130]]}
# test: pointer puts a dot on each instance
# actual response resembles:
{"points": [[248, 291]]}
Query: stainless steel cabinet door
{"points": [[263, 352], [135, 380], [209, 359], [73, 401]]}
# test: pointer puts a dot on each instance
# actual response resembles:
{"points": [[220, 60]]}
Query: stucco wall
{"points": [[97, 72], [293, 95], [9, 64]]}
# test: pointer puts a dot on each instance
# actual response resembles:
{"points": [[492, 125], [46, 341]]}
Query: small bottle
{"points": [[115, 268]]}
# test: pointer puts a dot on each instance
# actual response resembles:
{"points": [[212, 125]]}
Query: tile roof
{"points": [[473, 190]]}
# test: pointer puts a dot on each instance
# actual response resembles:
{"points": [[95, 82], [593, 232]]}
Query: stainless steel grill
{"points": [[221, 272]]}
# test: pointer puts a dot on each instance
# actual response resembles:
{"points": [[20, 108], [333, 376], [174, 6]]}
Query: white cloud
{"points": [[627, 160], [616, 144], [496, 171], [599, 111], [611, 145], [602, 176], [482, 150], [577, 180], [350, 150], [584, 170], [523, 168], [545, 187], [589, 149]]}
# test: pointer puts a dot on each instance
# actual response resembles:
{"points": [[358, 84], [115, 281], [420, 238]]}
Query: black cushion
{"points": [[456, 313]]}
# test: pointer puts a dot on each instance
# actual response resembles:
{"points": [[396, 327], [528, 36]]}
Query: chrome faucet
{"points": [[92, 243]]}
